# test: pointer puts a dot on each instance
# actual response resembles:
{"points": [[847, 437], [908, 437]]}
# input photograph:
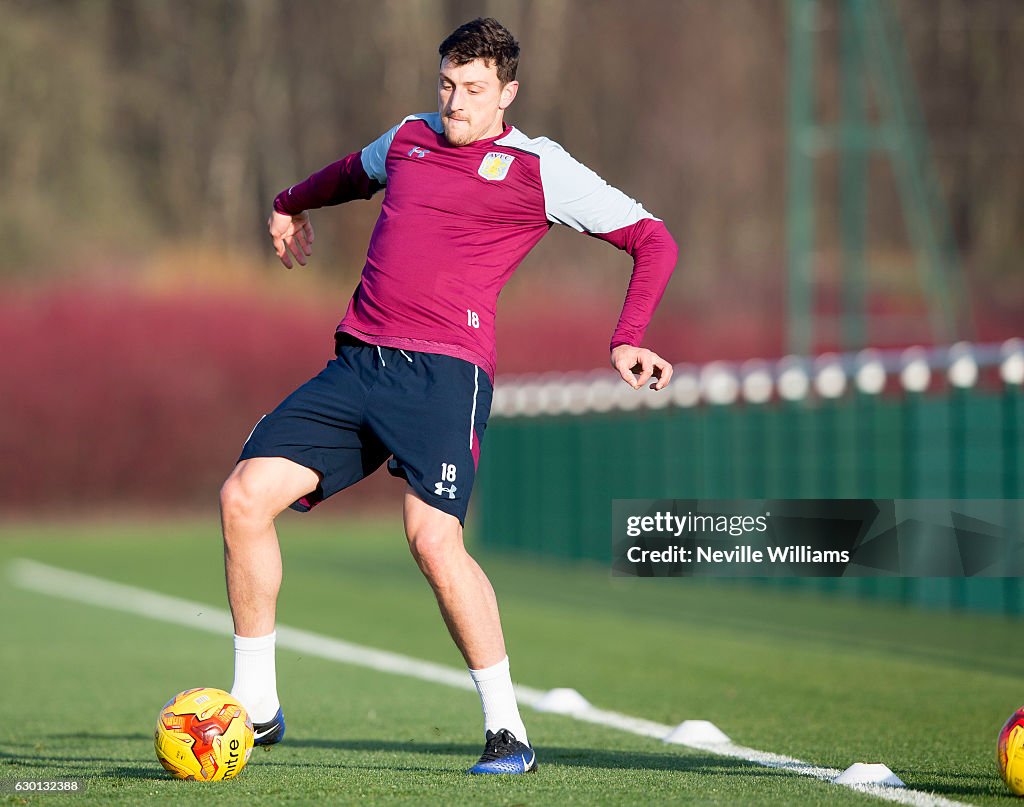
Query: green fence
{"points": [[553, 461]]}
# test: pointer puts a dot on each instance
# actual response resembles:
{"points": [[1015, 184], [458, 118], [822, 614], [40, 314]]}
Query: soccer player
{"points": [[466, 196]]}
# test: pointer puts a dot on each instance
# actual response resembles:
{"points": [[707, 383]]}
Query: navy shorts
{"points": [[424, 412]]}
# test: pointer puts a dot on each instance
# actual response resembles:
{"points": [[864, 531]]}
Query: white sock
{"points": [[256, 676], [498, 699]]}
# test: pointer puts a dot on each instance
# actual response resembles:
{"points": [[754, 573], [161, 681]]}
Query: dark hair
{"points": [[483, 38]]}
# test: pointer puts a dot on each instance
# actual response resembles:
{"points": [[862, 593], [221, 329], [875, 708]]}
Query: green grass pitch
{"points": [[830, 682]]}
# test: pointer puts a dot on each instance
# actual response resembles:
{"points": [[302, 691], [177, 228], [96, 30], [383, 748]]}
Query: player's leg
{"points": [[431, 411], [464, 594], [254, 494], [470, 610], [307, 449]]}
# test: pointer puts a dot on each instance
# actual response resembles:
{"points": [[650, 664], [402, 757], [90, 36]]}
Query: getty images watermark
{"points": [[668, 523], [817, 538]]}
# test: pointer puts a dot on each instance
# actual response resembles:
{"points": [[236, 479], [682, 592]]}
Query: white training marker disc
{"points": [[863, 773], [601, 393], [793, 381], [1011, 369], [685, 387], [696, 732], [916, 375], [963, 366], [756, 384], [829, 376], [718, 383], [870, 373], [563, 701]]}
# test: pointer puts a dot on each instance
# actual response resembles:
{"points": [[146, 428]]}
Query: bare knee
{"points": [[258, 489], [435, 551], [236, 503], [241, 503], [435, 540]]}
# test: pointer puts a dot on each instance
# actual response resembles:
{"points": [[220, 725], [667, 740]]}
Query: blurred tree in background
{"points": [[130, 125]]}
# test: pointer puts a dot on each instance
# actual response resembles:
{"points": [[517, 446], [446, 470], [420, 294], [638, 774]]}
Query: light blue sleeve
{"points": [[577, 197], [374, 156]]}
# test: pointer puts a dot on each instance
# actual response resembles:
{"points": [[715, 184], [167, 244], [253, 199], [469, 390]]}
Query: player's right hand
{"points": [[291, 234]]}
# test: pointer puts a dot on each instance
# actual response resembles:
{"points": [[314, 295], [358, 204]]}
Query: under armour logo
{"points": [[416, 151], [440, 490]]}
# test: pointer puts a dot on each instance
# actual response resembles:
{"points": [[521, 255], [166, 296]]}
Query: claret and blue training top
{"points": [[455, 223]]}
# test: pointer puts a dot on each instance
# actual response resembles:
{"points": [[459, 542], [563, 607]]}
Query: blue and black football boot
{"points": [[270, 732], [505, 754]]}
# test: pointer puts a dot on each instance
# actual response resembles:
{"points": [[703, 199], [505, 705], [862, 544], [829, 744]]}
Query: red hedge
{"points": [[121, 397]]}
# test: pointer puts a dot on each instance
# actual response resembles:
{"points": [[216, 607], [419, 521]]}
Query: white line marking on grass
{"points": [[39, 577], [107, 594]]}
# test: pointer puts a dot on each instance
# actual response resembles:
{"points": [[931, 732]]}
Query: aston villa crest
{"points": [[495, 165]]}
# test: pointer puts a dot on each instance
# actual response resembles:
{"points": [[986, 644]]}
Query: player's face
{"points": [[472, 101]]}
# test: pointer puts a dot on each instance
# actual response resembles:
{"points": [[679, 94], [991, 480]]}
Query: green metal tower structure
{"points": [[872, 64]]}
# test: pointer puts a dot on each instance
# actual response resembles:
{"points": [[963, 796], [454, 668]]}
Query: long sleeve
{"points": [[654, 254], [341, 181], [577, 197]]}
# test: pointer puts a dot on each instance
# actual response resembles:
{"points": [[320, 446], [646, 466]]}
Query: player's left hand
{"points": [[638, 365]]}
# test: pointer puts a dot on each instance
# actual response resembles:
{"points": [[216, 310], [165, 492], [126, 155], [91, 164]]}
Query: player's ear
{"points": [[508, 94]]}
